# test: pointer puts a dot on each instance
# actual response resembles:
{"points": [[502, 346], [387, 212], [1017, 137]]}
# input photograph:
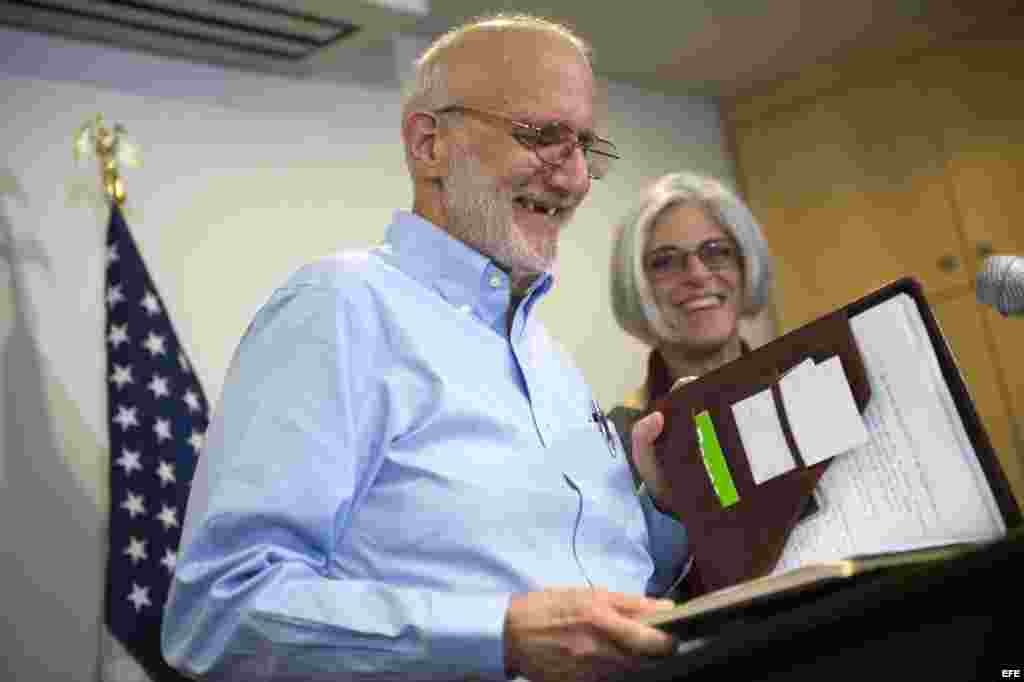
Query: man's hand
{"points": [[566, 635]]}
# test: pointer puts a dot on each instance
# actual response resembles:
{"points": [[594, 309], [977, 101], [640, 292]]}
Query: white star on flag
{"points": [[112, 256], [192, 400], [166, 472], [129, 460], [168, 516], [150, 303], [162, 429], [122, 376], [154, 343], [118, 335], [170, 560], [139, 597], [126, 417], [133, 504], [136, 550], [114, 295], [197, 440], [158, 385]]}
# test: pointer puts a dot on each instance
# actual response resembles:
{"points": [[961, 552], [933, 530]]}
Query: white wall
{"points": [[245, 177]]}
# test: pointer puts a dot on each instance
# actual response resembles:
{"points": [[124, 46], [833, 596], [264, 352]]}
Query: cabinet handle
{"points": [[949, 263], [984, 249]]}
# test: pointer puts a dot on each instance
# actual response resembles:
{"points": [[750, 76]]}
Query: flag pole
{"points": [[93, 137], [110, 149]]}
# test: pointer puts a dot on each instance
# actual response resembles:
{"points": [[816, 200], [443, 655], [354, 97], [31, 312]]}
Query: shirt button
{"points": [[495, 280]]}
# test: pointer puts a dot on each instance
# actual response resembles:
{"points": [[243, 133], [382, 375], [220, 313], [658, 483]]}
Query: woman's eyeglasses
{"points": [[715, 254]]}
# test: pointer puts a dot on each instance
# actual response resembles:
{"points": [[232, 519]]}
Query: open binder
{"points": [[760, 597], [928, 474]]}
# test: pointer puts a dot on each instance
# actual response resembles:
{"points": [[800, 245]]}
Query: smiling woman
{"points": [[688, 263]]}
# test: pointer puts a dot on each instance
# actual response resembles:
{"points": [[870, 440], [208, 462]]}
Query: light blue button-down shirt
{"points": [[387, 466]]}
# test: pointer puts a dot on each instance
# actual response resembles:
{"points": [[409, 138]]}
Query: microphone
{"points": [[1000, 284]]}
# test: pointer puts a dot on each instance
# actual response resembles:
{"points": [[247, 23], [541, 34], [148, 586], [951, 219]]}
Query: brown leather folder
{"points": [[742, 541], [745, 540]]}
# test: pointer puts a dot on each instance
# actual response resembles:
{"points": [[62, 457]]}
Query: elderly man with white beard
{"points": [[404, 478]]}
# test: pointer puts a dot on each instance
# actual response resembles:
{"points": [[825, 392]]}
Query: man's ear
{"points": [[427, 151]]}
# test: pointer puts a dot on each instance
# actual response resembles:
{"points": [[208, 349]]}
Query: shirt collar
{"points": [[465, 278]]}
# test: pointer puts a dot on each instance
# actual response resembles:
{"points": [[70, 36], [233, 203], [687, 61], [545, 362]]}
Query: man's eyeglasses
{"points": [[553, 143], [715, 254]]}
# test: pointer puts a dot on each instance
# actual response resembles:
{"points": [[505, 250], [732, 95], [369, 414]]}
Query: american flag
{"points": [[157, 420]]}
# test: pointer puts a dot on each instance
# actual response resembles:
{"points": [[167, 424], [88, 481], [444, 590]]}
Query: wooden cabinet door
{"points": [[850, 188], [982, 103]]}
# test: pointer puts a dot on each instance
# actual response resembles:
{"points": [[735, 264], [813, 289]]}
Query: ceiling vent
{"points": [[278, 35]]}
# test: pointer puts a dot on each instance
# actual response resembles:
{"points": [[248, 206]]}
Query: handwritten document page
{"points": [[917, 480]]}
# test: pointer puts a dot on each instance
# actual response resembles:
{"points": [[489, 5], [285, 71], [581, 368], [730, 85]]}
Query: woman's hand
{"points": [[645, 458]]}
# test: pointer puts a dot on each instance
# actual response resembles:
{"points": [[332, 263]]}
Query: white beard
{"points": [[480, 216]]}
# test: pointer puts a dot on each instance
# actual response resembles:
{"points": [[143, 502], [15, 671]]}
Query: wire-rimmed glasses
{"points": [[671, 259], [554, 142]]}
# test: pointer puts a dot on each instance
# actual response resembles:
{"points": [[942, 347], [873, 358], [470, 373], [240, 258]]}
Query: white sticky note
{"points": [[803, 372], [822, 413], [760, 431], [843, 423], [796, 387]]}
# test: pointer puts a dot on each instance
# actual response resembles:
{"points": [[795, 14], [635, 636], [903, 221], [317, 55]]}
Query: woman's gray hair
{"points": [[632, 299]]}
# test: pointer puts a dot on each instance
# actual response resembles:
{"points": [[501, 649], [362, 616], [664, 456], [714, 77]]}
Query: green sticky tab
{"points": [[714, 460]]}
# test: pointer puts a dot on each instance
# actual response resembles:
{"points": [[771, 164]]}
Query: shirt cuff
{"points": [[669, 547], [470, 632], [641, 491]]}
